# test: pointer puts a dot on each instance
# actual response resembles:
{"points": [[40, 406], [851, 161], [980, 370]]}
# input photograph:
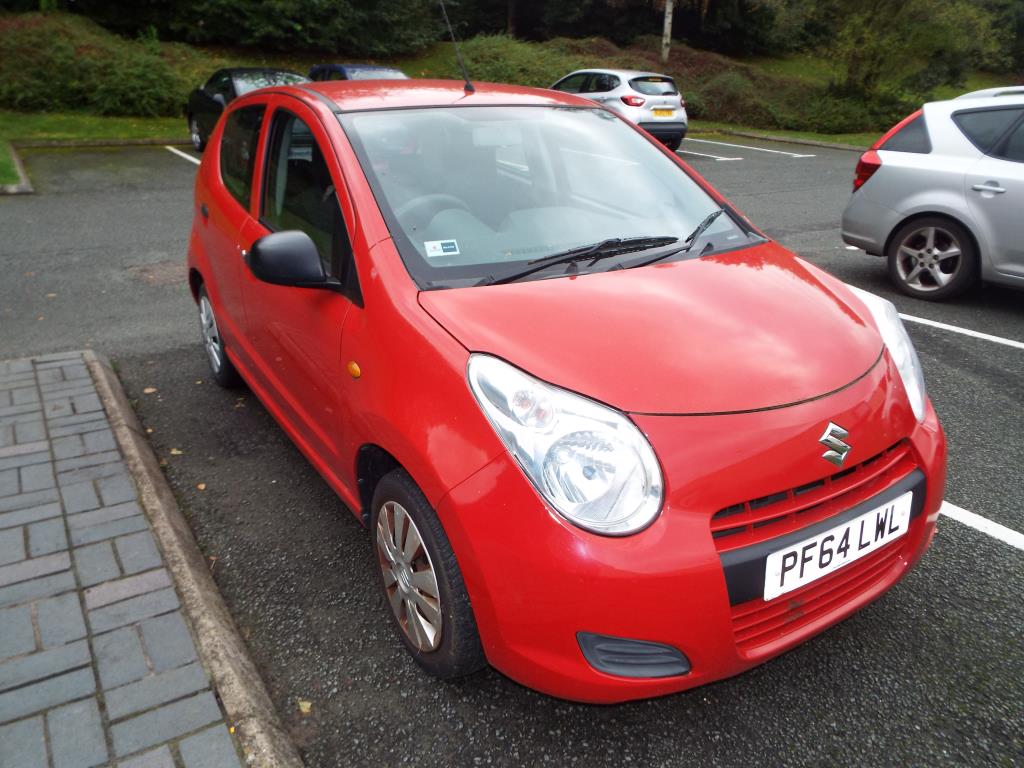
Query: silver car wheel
{"points": [[211, 335], [409, 578], [928, 259], [197, 139]]}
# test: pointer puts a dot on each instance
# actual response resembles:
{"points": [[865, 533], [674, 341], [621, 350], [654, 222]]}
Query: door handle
{"points": [[991, 186]]}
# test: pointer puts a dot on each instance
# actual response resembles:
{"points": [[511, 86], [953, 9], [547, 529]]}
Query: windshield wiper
{"points": [[614, 246], [689, 242]]}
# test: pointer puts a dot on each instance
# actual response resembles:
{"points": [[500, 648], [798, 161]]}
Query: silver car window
{"points": [[1013, 148], [985, 127]]}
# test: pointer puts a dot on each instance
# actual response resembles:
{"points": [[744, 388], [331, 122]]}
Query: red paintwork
{"points": [[731, 332]]}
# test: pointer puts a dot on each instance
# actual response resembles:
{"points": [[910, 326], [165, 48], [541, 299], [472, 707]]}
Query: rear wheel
{"points": [[421, 580], [198, 142], [674, 144], [222, 369], [932, 258]]}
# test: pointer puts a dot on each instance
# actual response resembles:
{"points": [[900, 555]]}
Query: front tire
{"points": [[932, 258], [221, 367], [421, 581]]}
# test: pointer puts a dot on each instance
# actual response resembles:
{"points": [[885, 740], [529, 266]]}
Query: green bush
{"points": [[503, 59], [61, 62]]}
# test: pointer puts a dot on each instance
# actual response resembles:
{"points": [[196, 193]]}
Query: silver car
{"points": [[941, 196], [648, 99]]}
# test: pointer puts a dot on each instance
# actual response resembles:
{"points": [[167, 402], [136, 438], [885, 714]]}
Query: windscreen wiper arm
{"points": [[614, 246], [689, 242]]}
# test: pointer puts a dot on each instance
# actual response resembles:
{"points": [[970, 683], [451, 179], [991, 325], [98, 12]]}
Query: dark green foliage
{"points": [[60, 62]]}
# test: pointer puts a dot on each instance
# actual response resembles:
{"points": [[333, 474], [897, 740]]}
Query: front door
{"points": [[295, 333]]}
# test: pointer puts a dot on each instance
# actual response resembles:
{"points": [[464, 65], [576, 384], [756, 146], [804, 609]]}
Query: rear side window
{"points": [[654, 86], [1013, 147], [238, 151], [984, 127], [299, 193], [912, 137], [602, 83]]}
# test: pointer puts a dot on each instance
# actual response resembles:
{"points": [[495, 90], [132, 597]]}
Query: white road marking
{"points": [[756, 149], [186, 155], [965, 331], [701, 154], [983, 524]]}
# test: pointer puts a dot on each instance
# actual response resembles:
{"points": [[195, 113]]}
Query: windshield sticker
{"points": [[436, 248]]}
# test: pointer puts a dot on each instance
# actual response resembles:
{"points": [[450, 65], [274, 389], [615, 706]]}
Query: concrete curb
{"points": [[241, 690], [786, 140], [24, 186], [58, 143]]}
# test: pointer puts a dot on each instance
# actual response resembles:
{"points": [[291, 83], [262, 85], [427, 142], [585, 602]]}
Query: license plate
{"points": [[800, 564], [663, 112]]}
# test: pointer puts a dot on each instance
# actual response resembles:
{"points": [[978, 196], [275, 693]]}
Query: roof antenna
{"points": [[468, 87]]}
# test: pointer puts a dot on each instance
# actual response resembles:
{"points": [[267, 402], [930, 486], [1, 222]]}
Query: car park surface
{"points": [[939, 684]]}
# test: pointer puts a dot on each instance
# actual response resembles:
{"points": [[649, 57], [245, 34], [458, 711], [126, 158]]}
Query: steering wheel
{"points": [[419, 211]]}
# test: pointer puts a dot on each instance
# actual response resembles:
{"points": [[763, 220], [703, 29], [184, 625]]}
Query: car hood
{"points": [[746, 330]]}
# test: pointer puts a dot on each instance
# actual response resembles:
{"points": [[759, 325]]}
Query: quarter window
{"points": [[299, 193], [984, 127], [912, 137], [238, 151]]}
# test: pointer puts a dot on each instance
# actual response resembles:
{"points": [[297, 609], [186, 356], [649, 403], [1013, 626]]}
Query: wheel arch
{"points": [[372, 464], [195, 282]]}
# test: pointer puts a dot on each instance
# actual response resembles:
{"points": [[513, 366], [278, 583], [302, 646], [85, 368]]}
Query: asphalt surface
{"points": [[931, 674]]}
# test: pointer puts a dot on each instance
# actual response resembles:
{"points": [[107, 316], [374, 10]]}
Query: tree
{"points": [[666, 31]]}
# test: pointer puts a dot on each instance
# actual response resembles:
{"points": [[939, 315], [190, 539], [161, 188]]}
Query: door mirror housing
{"points": [[219, 98], [289, 258]]}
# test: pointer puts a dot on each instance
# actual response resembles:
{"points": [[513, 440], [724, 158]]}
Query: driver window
{"points": [[573, 83], [299, 193]]}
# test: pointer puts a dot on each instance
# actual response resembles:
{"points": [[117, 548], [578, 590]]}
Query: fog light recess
{"points": [[632, 658]]}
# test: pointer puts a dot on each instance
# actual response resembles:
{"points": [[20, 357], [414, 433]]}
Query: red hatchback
{"points": [[606, 436]]}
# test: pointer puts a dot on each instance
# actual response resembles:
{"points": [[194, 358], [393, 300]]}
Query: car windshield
{"points": [[367, 73], [474, 192], [654, 85], [250, 81]]}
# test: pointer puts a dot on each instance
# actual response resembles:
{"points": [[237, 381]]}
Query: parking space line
{"points": [[964, 331], [756, 149], [701, 154], [179, 153], [983, 524]]}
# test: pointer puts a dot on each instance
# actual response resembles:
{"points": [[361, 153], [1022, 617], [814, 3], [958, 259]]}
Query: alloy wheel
{"points": [[928, 259], [409, 578], [211, 335], [197, 140]]}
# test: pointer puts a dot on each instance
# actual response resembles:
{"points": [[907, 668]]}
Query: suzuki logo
{"points": [[833, 440]]}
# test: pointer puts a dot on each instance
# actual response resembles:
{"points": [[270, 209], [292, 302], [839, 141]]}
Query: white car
{"points": [[648, 99], [941, 196]]}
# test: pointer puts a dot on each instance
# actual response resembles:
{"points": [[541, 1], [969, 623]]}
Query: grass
{"points": [[8, 173], [21, 126], [854, 139]]}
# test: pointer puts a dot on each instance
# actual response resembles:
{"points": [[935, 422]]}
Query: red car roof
{"points": [[385, 94]]}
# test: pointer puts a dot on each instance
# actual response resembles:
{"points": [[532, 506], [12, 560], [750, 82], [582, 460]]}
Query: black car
{"points": [[355, 72], [205, 104]]}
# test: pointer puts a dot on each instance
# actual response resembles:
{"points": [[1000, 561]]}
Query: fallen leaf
{"points": [[51, 295], [176, 452], [41, 317], [305, 707], [201, 486], [149, 430], [199, 381], [231, 729], [149, 390], [163, 462]]}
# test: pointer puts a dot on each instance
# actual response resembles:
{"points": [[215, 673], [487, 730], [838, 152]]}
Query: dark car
{"points": [[355, 72], [206, 104]]}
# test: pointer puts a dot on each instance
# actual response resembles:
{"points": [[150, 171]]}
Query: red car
{"points": [[606, 436]]}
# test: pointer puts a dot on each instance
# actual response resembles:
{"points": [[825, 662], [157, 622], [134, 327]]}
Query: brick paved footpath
{"points": [[97, 663]]}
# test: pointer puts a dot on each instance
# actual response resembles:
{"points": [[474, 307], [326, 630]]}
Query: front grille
{"points": [[756, 623], [767, 517]]}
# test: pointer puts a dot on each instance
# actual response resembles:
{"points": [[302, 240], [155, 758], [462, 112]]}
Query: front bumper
{"points": [[535, 581]]}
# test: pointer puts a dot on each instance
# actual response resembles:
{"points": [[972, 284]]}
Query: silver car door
{"points": [[994, 187]]}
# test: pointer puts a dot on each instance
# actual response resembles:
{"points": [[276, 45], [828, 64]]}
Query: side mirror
{"points": [[289, 258], [219, 98]]}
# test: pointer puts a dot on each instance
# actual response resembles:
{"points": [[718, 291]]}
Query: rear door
{"points": [[994, 187], [223, 197], [295, 333]]}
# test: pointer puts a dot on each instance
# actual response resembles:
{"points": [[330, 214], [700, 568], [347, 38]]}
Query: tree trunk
{"points": [[666, 31]]}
